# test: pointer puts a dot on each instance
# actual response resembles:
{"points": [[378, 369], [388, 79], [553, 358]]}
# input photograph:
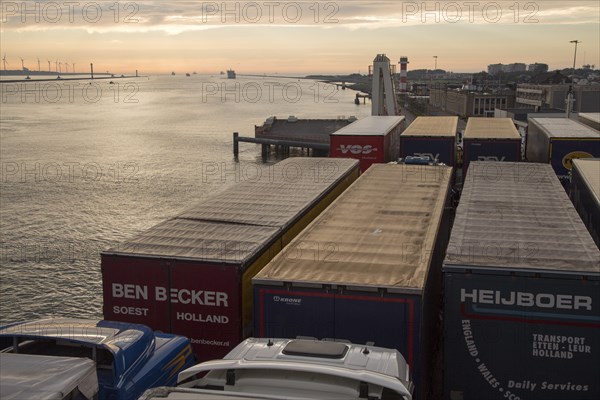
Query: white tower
{"points": [[383, 96]]}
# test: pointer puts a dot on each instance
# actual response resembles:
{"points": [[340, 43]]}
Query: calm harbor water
{"points": [[85, 166]]}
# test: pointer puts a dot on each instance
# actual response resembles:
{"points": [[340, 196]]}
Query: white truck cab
{"points": [[301, 369]]}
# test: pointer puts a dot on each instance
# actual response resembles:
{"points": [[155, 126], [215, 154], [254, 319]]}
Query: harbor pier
{"points": [[308, 135]]}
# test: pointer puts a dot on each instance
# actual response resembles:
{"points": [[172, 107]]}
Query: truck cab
{"points": [[304, 369], [129, 358]]}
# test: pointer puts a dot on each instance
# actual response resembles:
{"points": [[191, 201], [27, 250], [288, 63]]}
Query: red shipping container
{"points": [[371, 140]]}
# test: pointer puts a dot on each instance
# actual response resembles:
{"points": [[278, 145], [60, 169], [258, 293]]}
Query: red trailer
{"points": [[371, 140], [191, 275]]}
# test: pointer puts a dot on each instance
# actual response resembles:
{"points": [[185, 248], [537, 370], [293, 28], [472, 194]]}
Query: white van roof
{"points": [[181, 393]]}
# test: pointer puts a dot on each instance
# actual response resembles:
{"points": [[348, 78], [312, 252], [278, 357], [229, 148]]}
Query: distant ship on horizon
{"points": [[230, 74], [173, 73]]}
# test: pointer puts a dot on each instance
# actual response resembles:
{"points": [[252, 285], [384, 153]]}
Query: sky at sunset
{"points": [[296, 37]]}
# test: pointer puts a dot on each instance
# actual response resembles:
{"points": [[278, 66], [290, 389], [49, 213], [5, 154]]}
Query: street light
{"points": [[570, 98], [575, 56]]}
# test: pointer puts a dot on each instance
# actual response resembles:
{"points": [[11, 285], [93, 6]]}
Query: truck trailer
{"points": [[433, 137], [558, 141], [585, 193], [368, 269], [590, 119], [371, 140], [192, 274], [521, 290], [490, 139]]}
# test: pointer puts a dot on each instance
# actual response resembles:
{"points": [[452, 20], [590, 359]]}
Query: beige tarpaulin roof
{"points": [[491, 128], [381, 232], [518, 216], [432, 126]]}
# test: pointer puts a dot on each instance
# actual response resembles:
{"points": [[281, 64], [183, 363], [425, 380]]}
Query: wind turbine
{"points": [[48, 65], [73, 64], [67, 67], [59, 67], [4, 61], [56, 65], [22, 64], [39, 67]]}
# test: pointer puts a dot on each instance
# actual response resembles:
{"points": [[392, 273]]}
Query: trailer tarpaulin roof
{"points": [[564, 128], [199, 240], [273, 195], [380, 233], [518, 216], [371, 126], [491, 128], [236, 224], [432, 126]]}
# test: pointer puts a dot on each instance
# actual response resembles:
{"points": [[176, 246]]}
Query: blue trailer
{"points": [[558, 141], [433, 137], [490, 139], [129, 358], [521, 290], [368, 269]]}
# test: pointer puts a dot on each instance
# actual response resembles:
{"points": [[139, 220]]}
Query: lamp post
{"points": [[570, 99], [575, 56]]}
